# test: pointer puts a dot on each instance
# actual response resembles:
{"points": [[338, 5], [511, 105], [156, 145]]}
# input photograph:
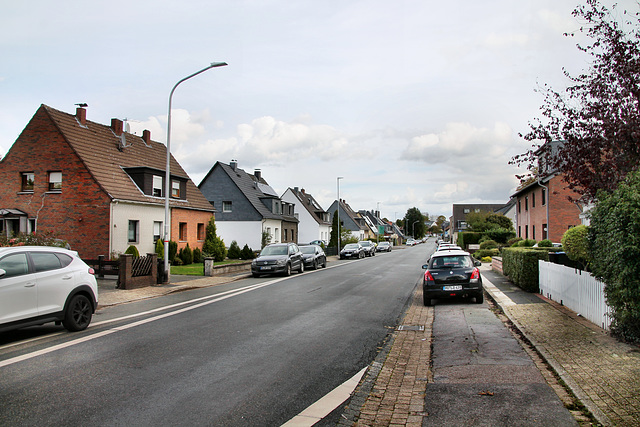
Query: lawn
{"points": [[197, 269]]}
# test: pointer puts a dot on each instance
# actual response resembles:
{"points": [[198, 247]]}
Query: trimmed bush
{"points": [[482, 253], [521, 265], [173, 251], [489, 244], [486, 259], [160, 249], [512, 242], [575, 244], [546, 243], [468, 238], [132, 250], [526, 243]]}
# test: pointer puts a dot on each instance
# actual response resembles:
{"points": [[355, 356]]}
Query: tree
{"points": [[614, 244], [574, 244], [333, 240], [414, 221], [213, 246], [597, 118]]}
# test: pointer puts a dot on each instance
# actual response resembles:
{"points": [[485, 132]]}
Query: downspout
{"points": [[546, 202]]}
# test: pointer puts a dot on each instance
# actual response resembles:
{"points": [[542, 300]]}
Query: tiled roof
{"points": [[310, 205], [97, 147]]}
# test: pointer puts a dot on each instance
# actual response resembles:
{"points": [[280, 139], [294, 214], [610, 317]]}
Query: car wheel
{"points": [[301, 269], [426, 299], [324, 263], [315, 264], [287, 270], [78, 314], [479, 298], [373, 253]]}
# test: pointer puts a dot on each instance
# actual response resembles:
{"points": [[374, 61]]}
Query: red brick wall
{"points": [[78, 214], [192, 219], [562, 212]]}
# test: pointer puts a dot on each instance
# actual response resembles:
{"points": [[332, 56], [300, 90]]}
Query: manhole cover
{"points": [[411, 328]]}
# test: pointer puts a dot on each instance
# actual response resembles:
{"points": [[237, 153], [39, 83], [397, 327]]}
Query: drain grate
{"points": [[410, 328]]}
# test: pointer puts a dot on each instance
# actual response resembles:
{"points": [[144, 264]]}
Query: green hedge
{"points": [[521, 265], [468, 238]]}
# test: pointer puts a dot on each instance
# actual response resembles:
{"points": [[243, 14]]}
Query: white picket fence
{"points": [[577, 290]]}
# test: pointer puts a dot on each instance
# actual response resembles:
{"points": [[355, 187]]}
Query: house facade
{"points": [[458, 221], [246, 207], [349, 219], [96, 186], [314, 222]]}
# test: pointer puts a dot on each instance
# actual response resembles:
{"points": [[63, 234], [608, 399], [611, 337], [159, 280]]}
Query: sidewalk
{"points": [[603, 373]]}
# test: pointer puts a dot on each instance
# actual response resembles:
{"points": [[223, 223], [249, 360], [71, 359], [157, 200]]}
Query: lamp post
{"points": [[377, 224], [413, 228], [167, 179], [338, 212]]}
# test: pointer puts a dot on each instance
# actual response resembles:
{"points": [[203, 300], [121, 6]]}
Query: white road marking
{"points": [[327, 404]]}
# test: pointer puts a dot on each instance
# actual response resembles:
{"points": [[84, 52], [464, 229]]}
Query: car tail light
{"points": [[475, 275], [428, 277], [92, 271]]}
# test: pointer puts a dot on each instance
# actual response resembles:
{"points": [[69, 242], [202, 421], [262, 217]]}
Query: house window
{"points": [[133, 231], [533, 200], [55, 181], [157, 186], [227, 206], [519, 231], [533, 232], [31, 225], [175, 189], [466, 210], [519, 205], [157, 231], [183, 231], [200, 231], [285, 235], [544, 196], [526, 203], [526, 231], [277, 235], [28, 179]]}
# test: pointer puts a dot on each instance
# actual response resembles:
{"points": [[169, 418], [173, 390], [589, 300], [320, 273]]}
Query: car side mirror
{"points": [[2, 273], [477, 263], [424, 267]]}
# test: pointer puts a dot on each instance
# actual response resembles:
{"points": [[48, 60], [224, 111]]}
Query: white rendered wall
{"points": [[243, 232], [146, 215]]}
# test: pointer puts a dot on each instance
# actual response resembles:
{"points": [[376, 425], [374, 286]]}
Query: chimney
{"points": [[233, 164], [295, 190], [146, 136], [258, 174], [303, 192], [117, 126], [81, 116]]}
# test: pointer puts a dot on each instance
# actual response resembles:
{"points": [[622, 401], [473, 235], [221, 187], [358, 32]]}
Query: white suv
{"points": [[41, 284]]}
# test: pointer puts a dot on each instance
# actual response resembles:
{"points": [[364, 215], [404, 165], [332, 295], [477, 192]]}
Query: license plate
{"points": [[452, 288], [265, 268]]}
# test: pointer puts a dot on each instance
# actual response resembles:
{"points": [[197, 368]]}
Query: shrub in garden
{"points": [[486, 259], [45, 238], [575, 244], [489, 244], [614, 244], [160, 249], [234, 251], [213, 245], [500, 235], [247, 252], [197, 256], [526, 243], [186, 255], [512, 242], [482, 253], [468, 238], [546, 243], [132, 250], [173, 250]]}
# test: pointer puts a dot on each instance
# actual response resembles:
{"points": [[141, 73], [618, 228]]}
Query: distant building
{"points": [[458, 221], [314, 222]]}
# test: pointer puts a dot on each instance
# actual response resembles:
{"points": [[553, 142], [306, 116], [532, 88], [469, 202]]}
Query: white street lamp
{"points": [[338, 212], [167, 184]]}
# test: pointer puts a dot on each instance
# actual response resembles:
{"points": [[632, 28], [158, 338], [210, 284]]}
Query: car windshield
{"points": [[366, 243], [274, 250], [351, 246], [307, 249], [454, 261]]}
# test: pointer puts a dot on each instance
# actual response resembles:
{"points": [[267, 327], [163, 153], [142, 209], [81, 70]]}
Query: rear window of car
{"points": [[455, 261], [15, 264], [45, 261]]}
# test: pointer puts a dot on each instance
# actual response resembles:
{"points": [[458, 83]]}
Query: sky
{"points": [[414, 103]]}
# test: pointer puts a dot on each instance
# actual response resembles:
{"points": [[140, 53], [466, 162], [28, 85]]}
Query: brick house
{"points": [[543, 208], [247, 206], [96, 186]]}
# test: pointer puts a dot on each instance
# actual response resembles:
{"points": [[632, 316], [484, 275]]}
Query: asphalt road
{"points": [[254, 352]]}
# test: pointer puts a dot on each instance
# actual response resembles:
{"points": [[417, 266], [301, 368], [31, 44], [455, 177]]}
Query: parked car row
{"points": [[283, 258], [363, 249]]}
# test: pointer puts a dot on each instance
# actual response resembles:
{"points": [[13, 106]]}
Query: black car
{"points": [[278, 258], [451, 274], [369, 247], [352, 251], [313, 256]]}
